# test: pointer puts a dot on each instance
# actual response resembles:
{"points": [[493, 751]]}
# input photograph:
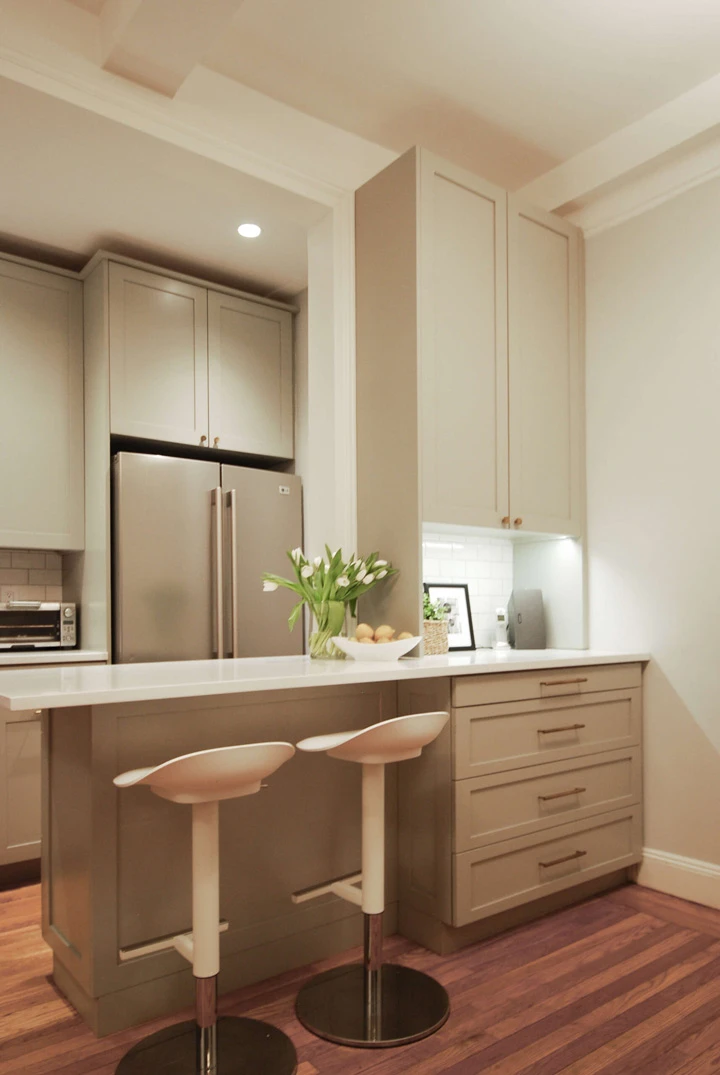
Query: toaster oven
{"points": [[30, 625]]}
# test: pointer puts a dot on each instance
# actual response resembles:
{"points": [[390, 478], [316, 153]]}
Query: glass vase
{"points": [[329, 622]]}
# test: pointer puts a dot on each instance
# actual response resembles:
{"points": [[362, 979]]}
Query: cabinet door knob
{"points": [[505, 520], [203, 440], [216, 442], [518, 522]]}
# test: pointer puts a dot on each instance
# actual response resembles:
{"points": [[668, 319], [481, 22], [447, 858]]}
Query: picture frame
{"points": [[456, 598]]}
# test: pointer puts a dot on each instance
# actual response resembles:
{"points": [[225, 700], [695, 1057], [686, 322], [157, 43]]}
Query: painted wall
{"points": [[653, 459]]}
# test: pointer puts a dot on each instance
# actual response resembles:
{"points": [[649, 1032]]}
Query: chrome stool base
{"points": [[244, 1047], [375, 1010]]}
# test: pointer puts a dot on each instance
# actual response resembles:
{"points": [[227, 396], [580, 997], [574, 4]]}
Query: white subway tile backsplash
{"points": [[13, 575], [30, 575], [28, 559], [45, 578], [483, 562]]}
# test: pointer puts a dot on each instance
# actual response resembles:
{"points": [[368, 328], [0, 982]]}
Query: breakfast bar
{"points": [[530, 798]]}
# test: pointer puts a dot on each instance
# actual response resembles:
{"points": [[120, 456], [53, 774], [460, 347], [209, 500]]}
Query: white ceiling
{"points": [[505, 87], [74, 182]]}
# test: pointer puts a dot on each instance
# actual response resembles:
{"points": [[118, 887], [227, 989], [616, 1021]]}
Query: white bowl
{"points": [[387, 651]]}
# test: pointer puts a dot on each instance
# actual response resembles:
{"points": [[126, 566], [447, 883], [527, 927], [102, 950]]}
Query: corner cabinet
{"points": [[41, 433], [193, 365]]}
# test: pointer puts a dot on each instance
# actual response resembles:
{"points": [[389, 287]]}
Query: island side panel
{"points": [[66, 838], [300, 831]]}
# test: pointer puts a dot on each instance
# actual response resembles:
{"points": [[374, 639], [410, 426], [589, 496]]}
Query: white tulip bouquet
{"points": [[328, 587]]}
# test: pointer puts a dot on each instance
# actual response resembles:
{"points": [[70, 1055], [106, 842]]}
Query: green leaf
{"points": [[295, 614]]}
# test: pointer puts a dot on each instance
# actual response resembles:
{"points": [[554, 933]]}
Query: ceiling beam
{"points": [[157, 43], [657, 133]]}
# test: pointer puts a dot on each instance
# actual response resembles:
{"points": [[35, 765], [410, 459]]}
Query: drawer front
{"points": [[498, 738], [489, 809], [548, 683], [505, 875]]}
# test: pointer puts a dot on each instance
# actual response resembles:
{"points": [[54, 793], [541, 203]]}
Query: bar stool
{"points": [[373, 1004], [210, 1046]]}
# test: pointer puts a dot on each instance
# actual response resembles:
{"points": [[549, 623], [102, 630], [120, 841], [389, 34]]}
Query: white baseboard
{"points": [[690, 879]]}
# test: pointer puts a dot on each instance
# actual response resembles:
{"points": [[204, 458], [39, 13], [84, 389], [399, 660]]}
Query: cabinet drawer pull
{"points": [[563, 682], [561, 794], [564, 728], [565, 858]]}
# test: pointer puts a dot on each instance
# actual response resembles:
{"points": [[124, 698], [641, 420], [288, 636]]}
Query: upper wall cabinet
{"points": [[158, 356], [251, 376], [469, 366], [194, 365], [463, 346], [41, 431], [546, 388]]}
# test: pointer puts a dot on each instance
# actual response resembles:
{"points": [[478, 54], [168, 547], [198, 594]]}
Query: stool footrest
{"points": [[339, 886], [162, 944]]}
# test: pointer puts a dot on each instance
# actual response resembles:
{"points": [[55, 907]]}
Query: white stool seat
{"points": [[211, 775], [393, 740]]}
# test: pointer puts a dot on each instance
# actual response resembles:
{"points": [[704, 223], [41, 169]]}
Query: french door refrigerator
{"points": [[191, 540]]}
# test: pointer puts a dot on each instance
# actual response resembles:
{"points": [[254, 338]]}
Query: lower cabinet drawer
{"points": [[500, 876], [498, 738], [505, 805]]}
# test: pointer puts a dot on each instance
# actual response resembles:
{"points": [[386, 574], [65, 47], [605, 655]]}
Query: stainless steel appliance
{"points": [[191, 540], [526, 620], [30, 625]]}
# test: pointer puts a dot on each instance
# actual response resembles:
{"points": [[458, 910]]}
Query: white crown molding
{"points": [[212, 116], [676, 875], [648, 191], [661, 131]]}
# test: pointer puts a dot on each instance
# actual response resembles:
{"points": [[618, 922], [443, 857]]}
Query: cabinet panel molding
{"points": [[250, 377], [20, 739], [545, 373], [498, 738], [41, 433], [463, 346], [158, 356], [504, 875]]}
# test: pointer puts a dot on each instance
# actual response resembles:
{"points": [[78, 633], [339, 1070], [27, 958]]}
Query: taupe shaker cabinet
{"points": [[534, 787], [41, 433], [20, 745], [192, 365], [487, 305]]}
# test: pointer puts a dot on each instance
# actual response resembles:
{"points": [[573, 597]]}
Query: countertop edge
{"points": [[49, 658], [61, 688]]}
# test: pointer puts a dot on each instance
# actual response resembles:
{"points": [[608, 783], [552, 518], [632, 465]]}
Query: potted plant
{"points": [[330, 588], [435, 628]]}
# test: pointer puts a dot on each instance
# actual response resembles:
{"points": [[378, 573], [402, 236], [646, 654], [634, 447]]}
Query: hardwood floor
{"points": [[625, 984]]}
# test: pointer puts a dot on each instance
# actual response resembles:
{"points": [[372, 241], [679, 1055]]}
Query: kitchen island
{"points": [[116, 864]]}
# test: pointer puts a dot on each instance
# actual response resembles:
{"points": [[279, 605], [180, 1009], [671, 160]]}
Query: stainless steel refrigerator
{"points": [[191, 540]]}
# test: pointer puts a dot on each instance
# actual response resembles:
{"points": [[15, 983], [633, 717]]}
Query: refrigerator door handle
{"points": [[232, 512], [216, 501]]}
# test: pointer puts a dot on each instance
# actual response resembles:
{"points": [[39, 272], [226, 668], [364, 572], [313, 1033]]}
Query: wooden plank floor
{"points": [[625, 984]]}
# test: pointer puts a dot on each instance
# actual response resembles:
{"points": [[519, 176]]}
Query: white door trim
{"points": [[74, 80]]}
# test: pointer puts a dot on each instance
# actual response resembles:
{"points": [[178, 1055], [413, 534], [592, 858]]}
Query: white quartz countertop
{"points": [[50, 656], [56, 687]]}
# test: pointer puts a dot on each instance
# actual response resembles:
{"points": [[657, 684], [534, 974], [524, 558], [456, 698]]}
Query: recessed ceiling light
{"points": [[249, 231]]}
